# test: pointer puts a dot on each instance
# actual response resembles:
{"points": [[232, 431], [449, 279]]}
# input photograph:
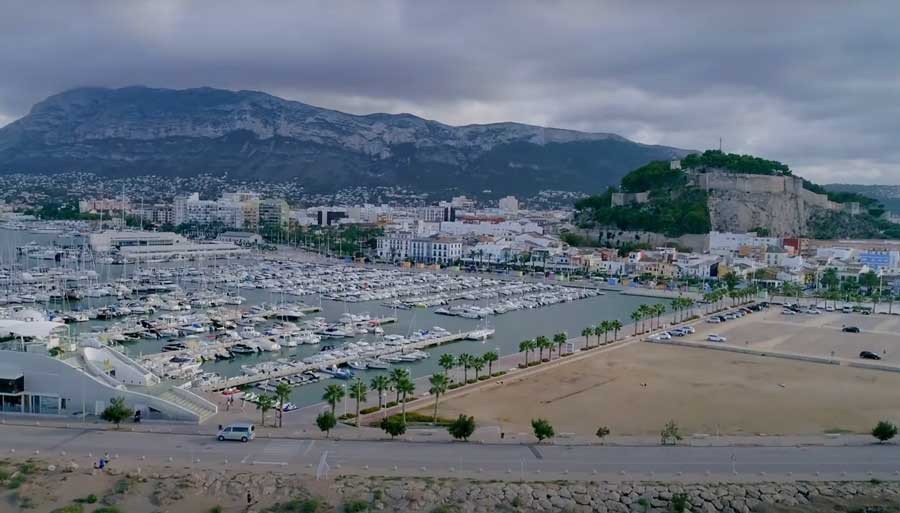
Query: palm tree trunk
{"points": [[357, 413], [434, 417], [403, 408]]}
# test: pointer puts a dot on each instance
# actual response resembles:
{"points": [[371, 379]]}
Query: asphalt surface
{"points": [[504, 461]]}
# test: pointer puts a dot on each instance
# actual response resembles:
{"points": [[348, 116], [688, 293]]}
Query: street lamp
{"points": [[344, 386]]}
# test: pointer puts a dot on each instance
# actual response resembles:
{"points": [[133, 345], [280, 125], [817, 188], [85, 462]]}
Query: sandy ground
{"points": [[811, 334], [636, 389]]}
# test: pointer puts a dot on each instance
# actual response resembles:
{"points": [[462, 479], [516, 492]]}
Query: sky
{"points": [[815, 84]]}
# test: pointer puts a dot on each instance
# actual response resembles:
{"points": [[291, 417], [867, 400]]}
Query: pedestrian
{"points": [[249, 500]]}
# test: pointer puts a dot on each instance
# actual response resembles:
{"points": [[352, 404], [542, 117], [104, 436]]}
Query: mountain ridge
{"points": [[136, 129]]}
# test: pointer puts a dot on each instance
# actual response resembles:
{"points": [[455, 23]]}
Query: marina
{"points": [[207, 324]]}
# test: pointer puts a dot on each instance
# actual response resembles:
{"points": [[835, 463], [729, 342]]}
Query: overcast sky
{"points": [[815, 84]]}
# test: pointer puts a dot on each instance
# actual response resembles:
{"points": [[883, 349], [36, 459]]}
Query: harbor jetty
{"points": [[299, 368]]}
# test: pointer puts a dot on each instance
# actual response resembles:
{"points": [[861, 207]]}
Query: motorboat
{"points": [[357, 365], [242, 348], [375, 363]]}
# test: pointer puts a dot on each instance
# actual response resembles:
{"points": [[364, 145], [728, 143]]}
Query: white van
{"points": [[243, 431]]}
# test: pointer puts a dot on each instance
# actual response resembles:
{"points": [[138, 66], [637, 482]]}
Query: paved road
{"points": [[454, 459]]}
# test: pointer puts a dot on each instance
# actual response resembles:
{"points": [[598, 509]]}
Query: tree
{"points": [[542, 343], [731, 281], [333, 394], [462, 427], [465, 360], [438, 388], [116, 411], [489, 358], [326, 422], [264, 404], [477, 364], [282, 393], [602, 432], [358, 393], [447, 362], [398, 374], [658, 309], [586, 332], [615, 325], [525, 346], [884, 431], [394, 426], [560, 340], [380, 384], [542, 429], [405, 387], [636, 316], [670, 433]]}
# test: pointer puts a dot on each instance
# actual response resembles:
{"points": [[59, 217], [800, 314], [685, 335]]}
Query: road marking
{"points": [[279, 463], [281, 448], [309, 447], [247, 457], [534, 450]]}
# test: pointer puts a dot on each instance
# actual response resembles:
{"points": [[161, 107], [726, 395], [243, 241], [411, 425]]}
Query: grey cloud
{"points": [[813, 83]]}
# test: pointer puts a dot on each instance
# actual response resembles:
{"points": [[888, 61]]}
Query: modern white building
{"points": [[726, 242], [79, 381], [113, 239], [443, 250]]}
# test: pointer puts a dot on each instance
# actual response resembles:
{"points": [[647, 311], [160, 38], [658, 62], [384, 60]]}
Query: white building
{"points": [[394, 246], [509, 204], [726, 242], [441, 250], [109, 240], [192, 210], [494, 229]]}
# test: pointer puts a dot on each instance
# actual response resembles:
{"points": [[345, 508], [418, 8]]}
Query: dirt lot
{"points": [[811, 334], [636, 389]]}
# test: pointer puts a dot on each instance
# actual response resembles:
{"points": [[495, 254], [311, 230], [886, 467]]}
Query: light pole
{"points": [[344, 386]]}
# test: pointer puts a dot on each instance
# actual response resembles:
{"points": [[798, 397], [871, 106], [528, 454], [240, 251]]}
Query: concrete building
{"points": [[192, 210], [274, 212], [83, 380], [509, 204], [158, 214], [880, 260], [185, 251], [441, 250], [395, 246], [240, 238], [438, 214], [328, 216], [108, 240], [725, 242]]}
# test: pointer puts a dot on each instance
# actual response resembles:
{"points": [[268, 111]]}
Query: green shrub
{"points": [[679, 502], [366, 411], [357, 506], [391, 404], [90, 499], [215, 509], [884, 431], [28, 468], [108, 509], [122, 486], [296, 506], [442, 508], [16, 481], [453, 386]]}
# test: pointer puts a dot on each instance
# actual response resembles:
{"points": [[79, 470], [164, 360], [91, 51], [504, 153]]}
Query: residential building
{"points": [[443, 250], [509, 204], [274, 213]]}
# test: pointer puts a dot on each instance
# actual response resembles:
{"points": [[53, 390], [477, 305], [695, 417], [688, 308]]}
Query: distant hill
{"points": [[731, 193], [139, 130], [888, 195]]}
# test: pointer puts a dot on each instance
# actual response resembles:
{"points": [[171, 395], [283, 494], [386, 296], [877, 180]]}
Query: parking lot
{"points": [[818, 335]]}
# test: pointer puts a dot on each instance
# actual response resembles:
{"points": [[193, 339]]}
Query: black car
{"points": [[869, 355], [850, 329]]}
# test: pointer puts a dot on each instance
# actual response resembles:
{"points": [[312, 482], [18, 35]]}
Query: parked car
{"points": [[243, 431], [716, 338], [829, 308], [788, 312], [850, 329], [846, 309], [678, 332], [869, 355], [662, 336], [688, 330], [714, 320]]}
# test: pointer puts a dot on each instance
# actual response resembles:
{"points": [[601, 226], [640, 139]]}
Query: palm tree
{"points": [[603, 329], [658, 309], [542, 343], [406, 387], [676, 306], [465, 360], [636, 316], [586, 333], [438, 388], [282, 393], [358, 393], [560, 339], [615, 325], [447, 362], [489, 358], [645, 313], [380, 384], [525, 346], [397, 375], [264, 404], [477, 364], [333, 394]]}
